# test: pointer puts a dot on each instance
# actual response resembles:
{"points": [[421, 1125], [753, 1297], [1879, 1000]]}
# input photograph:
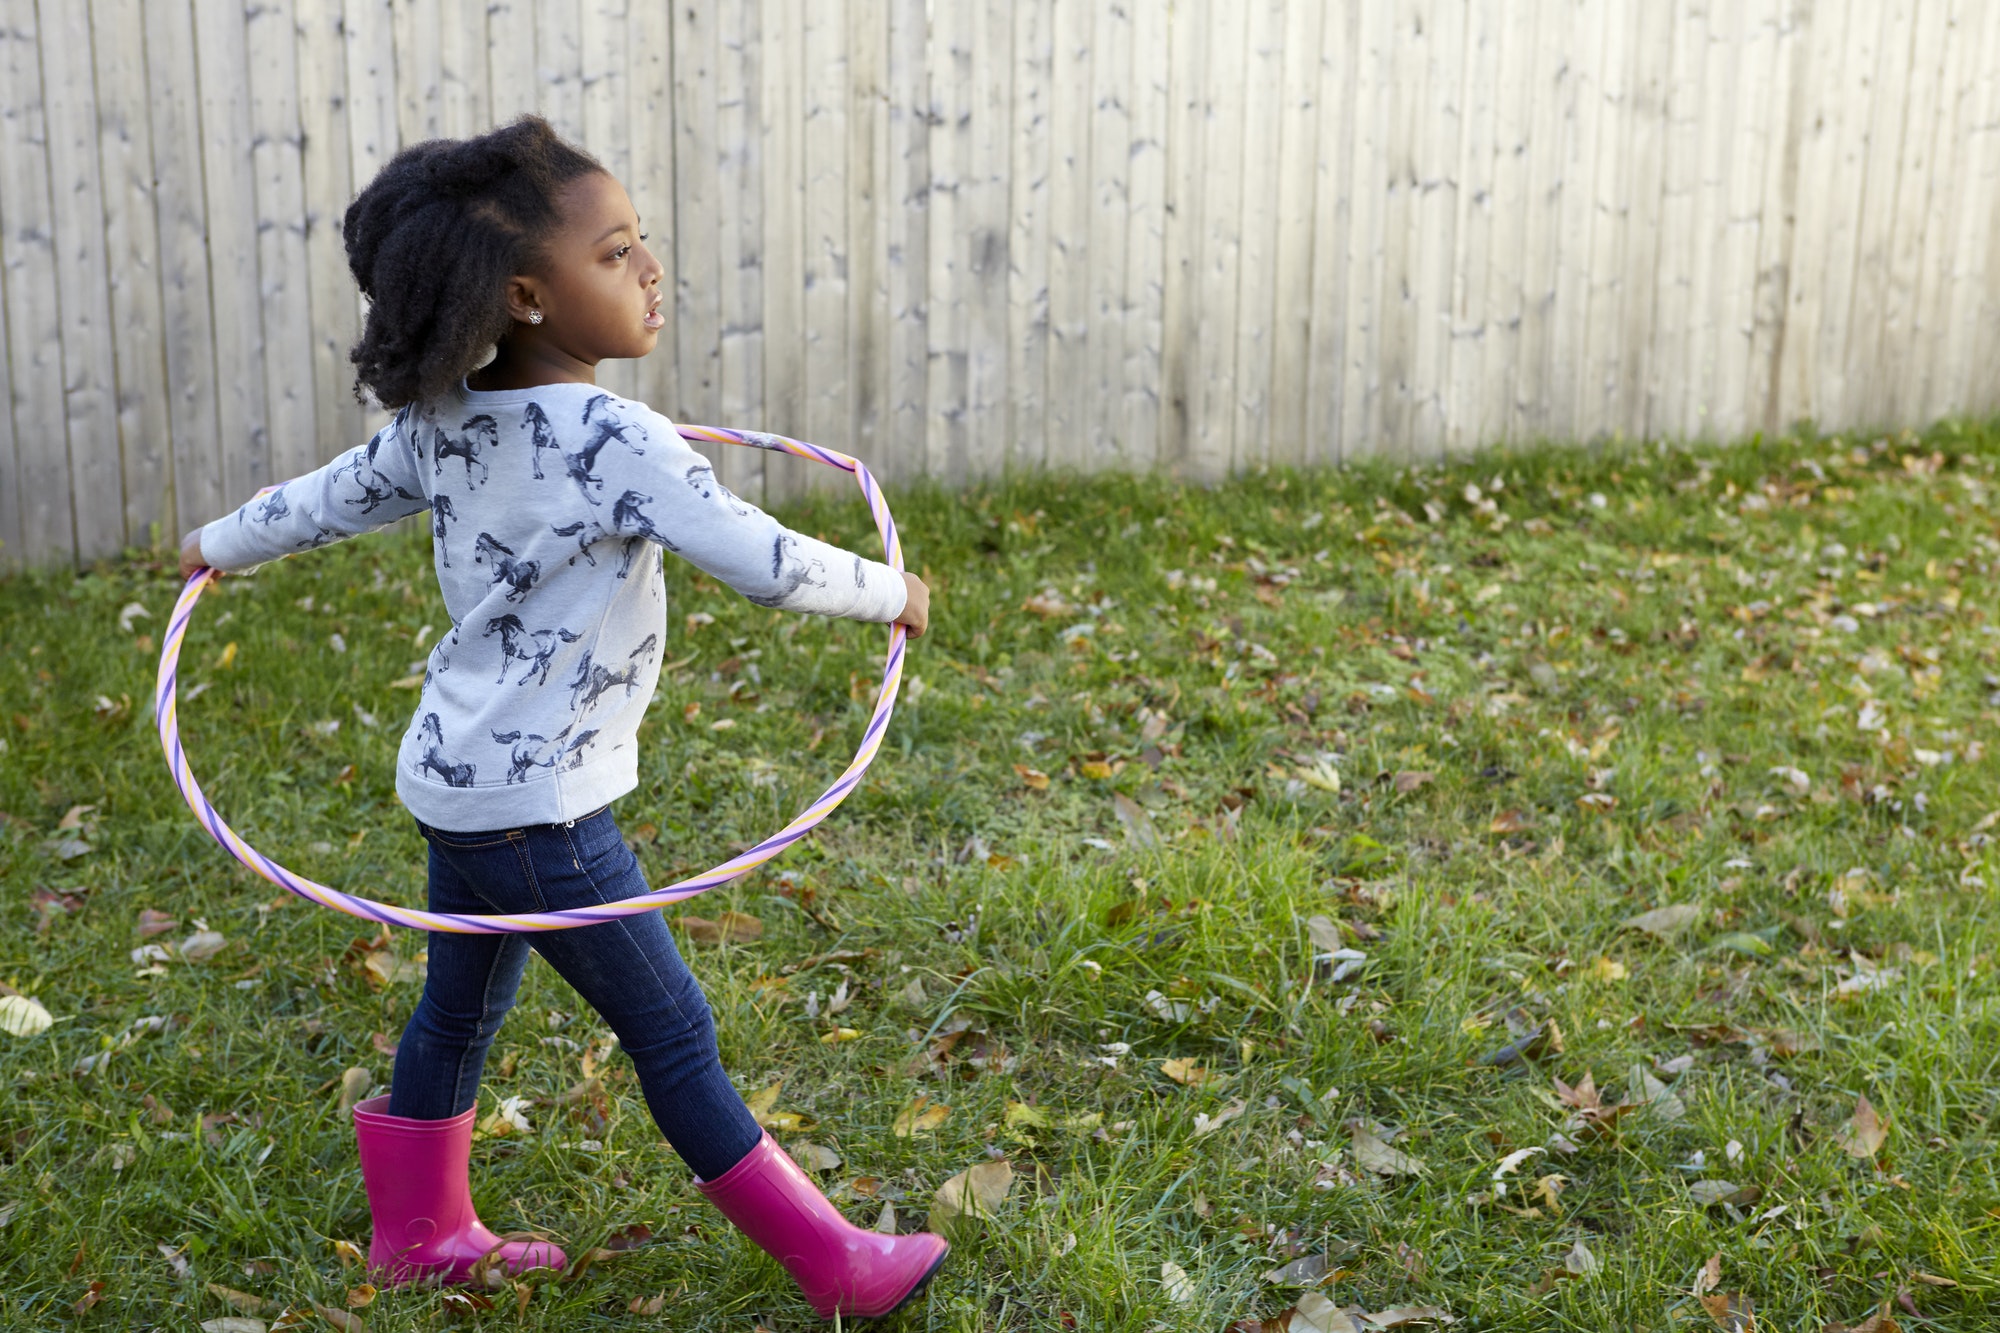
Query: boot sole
{"points": [[916, 1290]]}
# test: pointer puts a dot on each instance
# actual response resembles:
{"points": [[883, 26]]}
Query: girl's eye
{"points": [[624, 250]]}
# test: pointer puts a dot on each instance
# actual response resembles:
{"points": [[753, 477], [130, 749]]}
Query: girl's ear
{"points": [[524, 303]]}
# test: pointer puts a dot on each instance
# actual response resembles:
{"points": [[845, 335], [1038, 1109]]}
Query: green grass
{"points": [[1612, 657]]}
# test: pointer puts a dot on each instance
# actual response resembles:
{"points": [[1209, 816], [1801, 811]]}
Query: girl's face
{"points": [[599, 286]]}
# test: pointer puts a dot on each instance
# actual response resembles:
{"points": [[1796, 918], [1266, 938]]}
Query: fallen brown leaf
{"points": [[1864, 1134]]}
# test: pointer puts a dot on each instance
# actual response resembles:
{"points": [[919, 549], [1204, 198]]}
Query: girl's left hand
{"points": [[191, 555]]}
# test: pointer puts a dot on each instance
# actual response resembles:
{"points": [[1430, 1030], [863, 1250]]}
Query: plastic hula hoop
{"points": [[166, 714]]}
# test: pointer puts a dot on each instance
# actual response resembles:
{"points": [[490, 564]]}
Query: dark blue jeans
{"points": [[628, 970]]}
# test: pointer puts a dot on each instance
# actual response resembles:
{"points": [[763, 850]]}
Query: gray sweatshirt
{"points": [[548, 508]]}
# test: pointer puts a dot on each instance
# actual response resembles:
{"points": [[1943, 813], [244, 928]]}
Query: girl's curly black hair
{"points": [[432, 242]]}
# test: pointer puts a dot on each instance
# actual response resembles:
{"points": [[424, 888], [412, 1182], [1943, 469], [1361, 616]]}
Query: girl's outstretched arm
{"points": [[368, 487]]}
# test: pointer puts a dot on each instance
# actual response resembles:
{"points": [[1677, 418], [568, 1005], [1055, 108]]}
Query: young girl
{"points": [[549, 501]]}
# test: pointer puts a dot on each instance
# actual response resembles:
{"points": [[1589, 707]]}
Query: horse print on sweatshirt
{"points": [[476, 435], [452, 774]]}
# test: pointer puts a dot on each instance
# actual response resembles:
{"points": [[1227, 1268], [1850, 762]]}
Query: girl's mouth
{"points": [[654, 319]]}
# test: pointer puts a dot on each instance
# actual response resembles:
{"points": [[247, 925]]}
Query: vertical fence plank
{"points": [[1139, 424], [1927, 393], [1259, 123], [1506, 295], [908, 236], [1854, 91], [335, 323], [1069, 206], [984, 197], [1435, 207], [559, 64], [1777, 214], [229, 181], [867, 39], [737, 223], [283, 283], [511, 65], [1471, 323], [34, 314], [828, 406], [76, 197], [1212, 415], [419, 47], [1549, 99], [1816, 127], [697, 156], [1411, 32], [1644, 133], [1975, 263], [1361, 388], [1583, 126], [1181, 243], [1685, 245], [1028, 236], [465, 99], [1333, 217], [1737, 123], [132, 254], [1107, 130], [649, 78], [603, 41], [1302, 86], [951, 108], [187, 324], [1872, 307], [784, 234], [1598, 351], [373, 136]]}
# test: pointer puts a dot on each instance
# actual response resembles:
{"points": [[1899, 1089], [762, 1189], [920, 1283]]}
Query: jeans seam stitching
{"points": [[597, 893]]}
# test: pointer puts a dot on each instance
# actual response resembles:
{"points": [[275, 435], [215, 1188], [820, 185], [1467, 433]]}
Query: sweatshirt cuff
{"points": [[223, 547]]}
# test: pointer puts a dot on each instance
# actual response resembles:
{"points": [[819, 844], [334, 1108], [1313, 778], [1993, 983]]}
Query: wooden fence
{"points": [[958, 235]]}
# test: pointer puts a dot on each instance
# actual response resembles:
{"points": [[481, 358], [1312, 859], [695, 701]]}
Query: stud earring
{"points": [[534, 316]]}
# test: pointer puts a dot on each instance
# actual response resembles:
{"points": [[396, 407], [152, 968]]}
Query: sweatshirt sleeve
{"points": [[368, 487], [667, 493]]}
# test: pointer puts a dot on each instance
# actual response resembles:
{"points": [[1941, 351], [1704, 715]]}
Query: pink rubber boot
{"points": [[841, 1268], [421, 1202]]}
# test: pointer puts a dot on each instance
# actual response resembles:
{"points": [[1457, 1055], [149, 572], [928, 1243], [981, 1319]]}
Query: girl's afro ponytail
{"points": [[432, 242]]}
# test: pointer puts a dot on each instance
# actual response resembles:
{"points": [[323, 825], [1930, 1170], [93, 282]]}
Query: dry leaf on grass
{"points": [[920, 1116], [1138, 824], [1663, 922], [730, 928], [1410, 780], [1864, 1133], [1185, 1072], [971, 1194], [233, 1323], [1732, 1311], [23, 1017], [647, 1304], [1032, 778], [1208, 1124], [815, 1157], [242, 1300], [1372, 1154], [1511, 821], [1179, 1286]]}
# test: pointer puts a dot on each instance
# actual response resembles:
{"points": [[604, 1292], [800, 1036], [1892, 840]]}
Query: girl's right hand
{"points": [[916, 617], [191, 554]]}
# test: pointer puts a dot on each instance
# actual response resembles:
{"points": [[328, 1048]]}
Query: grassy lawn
{"points": [[1263, 873]]}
